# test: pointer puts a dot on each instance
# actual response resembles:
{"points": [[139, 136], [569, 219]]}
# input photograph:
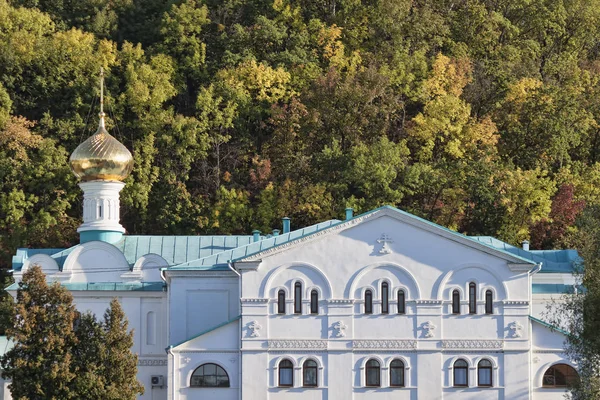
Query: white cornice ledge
{"points": [[524, 267], [247, 265]]}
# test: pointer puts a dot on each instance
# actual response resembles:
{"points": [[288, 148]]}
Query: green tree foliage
{"points": [[61, 354], [470, 114]]}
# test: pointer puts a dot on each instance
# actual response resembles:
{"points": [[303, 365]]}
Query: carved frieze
{"points": [[384, 344], [472, 344], [152, 362], [297, 344]]}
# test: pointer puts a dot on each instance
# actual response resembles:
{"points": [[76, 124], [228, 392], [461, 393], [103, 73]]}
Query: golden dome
{"points": [[101, 157]]}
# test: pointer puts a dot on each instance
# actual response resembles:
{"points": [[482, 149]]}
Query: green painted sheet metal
{"points": [[274, 241], [552, 288], [553, 261], [221, 259]]}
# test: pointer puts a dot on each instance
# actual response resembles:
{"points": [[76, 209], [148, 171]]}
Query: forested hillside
{"points": [[480, 115]]}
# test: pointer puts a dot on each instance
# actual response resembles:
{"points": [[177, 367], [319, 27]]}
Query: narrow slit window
{"points": [[314, 302], [385, 306], [455, 302], [281, 302], [99, 211], [472, 298], [298, 298], [368, 302], [489, 302], [401, 302]]}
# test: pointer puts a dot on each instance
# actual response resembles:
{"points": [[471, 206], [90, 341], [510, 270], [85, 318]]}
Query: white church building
{"points": [[382, 305]]}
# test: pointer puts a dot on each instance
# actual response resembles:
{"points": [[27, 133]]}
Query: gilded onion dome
{"points": [[101, 157]]}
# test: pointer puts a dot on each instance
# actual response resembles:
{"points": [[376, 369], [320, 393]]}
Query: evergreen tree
{"points": [[40, 363], [62, 354], [119, 364]]}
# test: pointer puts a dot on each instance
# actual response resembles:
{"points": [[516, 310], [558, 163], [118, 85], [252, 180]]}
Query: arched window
{"points": [[286, 373], [472, 298], [209, 375], [298, 298], [397, 373], [560, 375], [455, 302], [368, 302], [309, 373], [489, 302], [461, 373], [314, 302], [281, 302], [401, 302], [385, 307], [484, 373], [372, 372]]}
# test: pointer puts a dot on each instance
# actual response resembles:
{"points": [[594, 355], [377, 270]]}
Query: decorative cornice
{"points": [[429, 302], [297, 344], [472, 344], [384, 344], [191, 273], [518, 267], [254, 300], [152, 362], [247, 265]]}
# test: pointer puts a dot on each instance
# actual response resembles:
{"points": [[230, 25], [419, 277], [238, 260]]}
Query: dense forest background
{"points": [[480, 115]]}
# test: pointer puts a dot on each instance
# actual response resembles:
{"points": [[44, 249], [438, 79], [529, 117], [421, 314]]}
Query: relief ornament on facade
{"points": [[338, 329], [385, 239], [253, 329]]}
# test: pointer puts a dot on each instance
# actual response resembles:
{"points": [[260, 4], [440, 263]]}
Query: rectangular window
{"points": [[472, 299], [401, 302]]}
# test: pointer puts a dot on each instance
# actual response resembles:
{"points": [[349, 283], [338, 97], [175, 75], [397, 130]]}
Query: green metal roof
{"points": [[109, 286], [553, 261], [552, 288], [219, 261], [174, 249]]}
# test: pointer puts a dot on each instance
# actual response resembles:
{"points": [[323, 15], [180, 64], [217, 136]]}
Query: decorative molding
{"points": [[254, 328], [339, 328], [384, 344], [385, 239], [296, 344], [472, 344], [429, 302], [514, 329], [428, 328], [341, 301], [516, 302], [254, 300], [152, 363]]}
